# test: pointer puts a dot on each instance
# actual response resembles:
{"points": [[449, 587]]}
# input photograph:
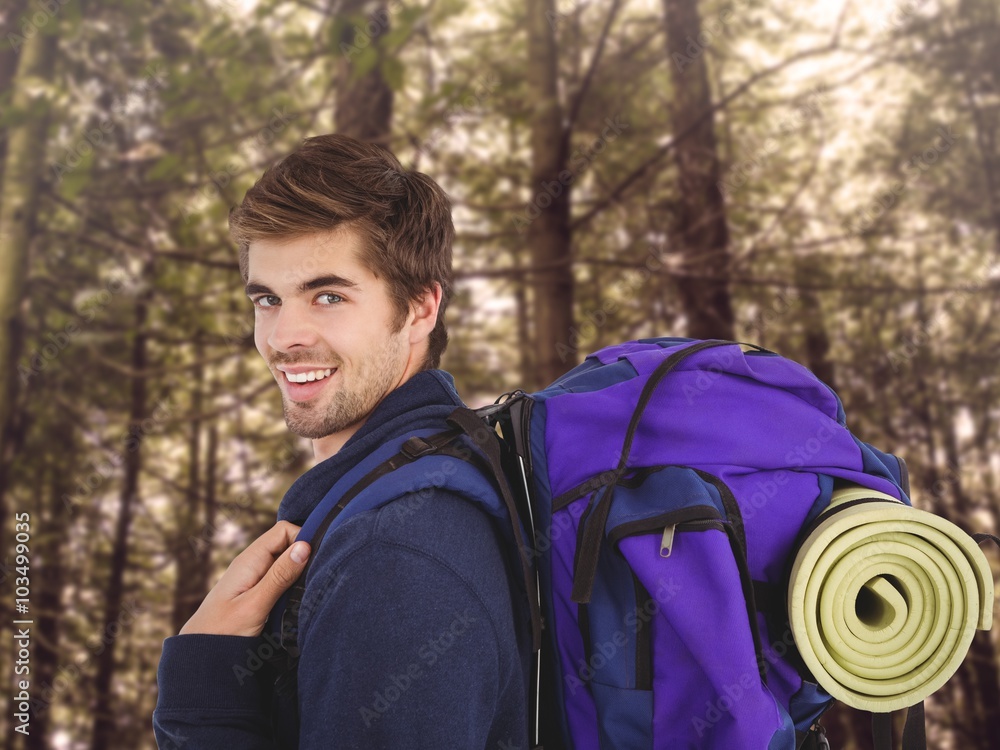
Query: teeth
{"points": [[305, 377]]}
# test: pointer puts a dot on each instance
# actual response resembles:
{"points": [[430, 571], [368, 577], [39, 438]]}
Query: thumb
{"points": [[284, 572]]}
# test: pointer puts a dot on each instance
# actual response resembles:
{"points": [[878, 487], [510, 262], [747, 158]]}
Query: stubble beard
{"points": [[374, 377]]}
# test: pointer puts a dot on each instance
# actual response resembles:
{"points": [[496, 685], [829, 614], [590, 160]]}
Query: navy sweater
{"points": [[416, 641]]}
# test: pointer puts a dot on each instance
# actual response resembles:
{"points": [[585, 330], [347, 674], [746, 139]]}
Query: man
{"points": [[411, 634]]}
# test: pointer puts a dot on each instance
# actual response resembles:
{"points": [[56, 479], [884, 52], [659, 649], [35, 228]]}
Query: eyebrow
{"points": [[255, 287]]}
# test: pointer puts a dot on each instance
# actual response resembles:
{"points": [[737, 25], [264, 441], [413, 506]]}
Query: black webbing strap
{"points": [[487, 440], [914, 732], [812, 739], [589, 549], [411, 450], [882, 731], [980, 538]]}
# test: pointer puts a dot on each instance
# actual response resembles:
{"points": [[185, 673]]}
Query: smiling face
{"points": [[329, 333]]}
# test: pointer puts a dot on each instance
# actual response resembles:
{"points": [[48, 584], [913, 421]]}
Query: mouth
{"points": [[306, 384]]}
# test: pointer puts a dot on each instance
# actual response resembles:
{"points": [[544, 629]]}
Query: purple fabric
{"points": [[722, 703], [765, 427]]}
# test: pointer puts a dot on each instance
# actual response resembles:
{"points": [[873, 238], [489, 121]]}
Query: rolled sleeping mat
{"points": [[884, 599]]}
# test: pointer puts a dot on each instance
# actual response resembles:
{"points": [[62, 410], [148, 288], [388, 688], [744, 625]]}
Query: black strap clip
{"points": [[416, 447]]}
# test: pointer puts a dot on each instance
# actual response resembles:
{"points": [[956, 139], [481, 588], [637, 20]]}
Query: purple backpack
{"points": [[668, 484], [666, 496]]}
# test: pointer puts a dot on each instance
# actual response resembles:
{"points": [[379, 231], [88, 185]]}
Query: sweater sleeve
{"points": [[409, 640], [210, 694]]}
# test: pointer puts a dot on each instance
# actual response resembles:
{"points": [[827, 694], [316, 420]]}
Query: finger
{"points": [[253, 563], [285, 572], [276, 539]]}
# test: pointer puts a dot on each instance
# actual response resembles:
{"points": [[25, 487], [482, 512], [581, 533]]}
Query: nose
{"points": [[291, 328]]}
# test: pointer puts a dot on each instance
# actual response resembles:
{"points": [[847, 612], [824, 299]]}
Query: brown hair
{"points": [[334, 180]]}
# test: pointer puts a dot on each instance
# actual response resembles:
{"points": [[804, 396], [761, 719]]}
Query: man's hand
{"points": [[248, 590]]}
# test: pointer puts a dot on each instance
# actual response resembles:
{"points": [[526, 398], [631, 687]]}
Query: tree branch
{"points": [[669, 146], [588, 77]]}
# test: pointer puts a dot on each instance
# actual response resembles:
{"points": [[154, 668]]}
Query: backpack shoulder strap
{"points": [[488, 442], [283, 619], [351, 495]]}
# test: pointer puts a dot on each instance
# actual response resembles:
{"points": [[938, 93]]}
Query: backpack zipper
{"points": [[738, 541], [644, 602], [701, 518]]}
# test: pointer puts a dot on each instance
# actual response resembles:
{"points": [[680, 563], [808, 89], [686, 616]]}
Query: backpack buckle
{"points": [[416, 447], [288, 637]]}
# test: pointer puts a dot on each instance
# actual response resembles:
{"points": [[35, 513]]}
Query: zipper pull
{"points": [[667, 543]]}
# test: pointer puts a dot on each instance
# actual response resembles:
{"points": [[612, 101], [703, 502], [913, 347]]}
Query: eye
{"points": [[333, 298], [266, 300]]}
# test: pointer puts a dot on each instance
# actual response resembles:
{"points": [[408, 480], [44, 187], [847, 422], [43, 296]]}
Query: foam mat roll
{"points": [[884, 600]]}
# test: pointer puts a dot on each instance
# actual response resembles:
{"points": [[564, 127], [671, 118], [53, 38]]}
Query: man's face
{"points": [[322, 317]]}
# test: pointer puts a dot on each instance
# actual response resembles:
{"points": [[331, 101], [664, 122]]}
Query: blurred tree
{"points": [[494, 102], [700, 234], [27, 122], [547, 213], [10, 44], [364, 97]]}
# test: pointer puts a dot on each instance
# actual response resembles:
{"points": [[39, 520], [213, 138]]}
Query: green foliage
{"points": [[906, 299]]}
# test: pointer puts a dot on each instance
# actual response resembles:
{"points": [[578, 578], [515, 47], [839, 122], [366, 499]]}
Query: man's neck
{"points": [[330, 445]]}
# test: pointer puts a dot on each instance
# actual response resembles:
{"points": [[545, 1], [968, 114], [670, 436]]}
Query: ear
{"points": [[424, 312]]}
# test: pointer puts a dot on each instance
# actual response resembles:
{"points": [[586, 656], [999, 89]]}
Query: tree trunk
{"points": [[698, 232], [524, 346], [203, 569], [547, 215], [104, 717], [817, 341], [189, 543], [9, 25], [51, 575], [20, 181], [22, 159], [364, 103], [23, 174]]}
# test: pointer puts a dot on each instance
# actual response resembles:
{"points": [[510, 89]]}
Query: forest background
{"points": [[821, 178]]}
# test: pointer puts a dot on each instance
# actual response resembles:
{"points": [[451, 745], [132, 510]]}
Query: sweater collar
{"points": [[425, 400]]}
